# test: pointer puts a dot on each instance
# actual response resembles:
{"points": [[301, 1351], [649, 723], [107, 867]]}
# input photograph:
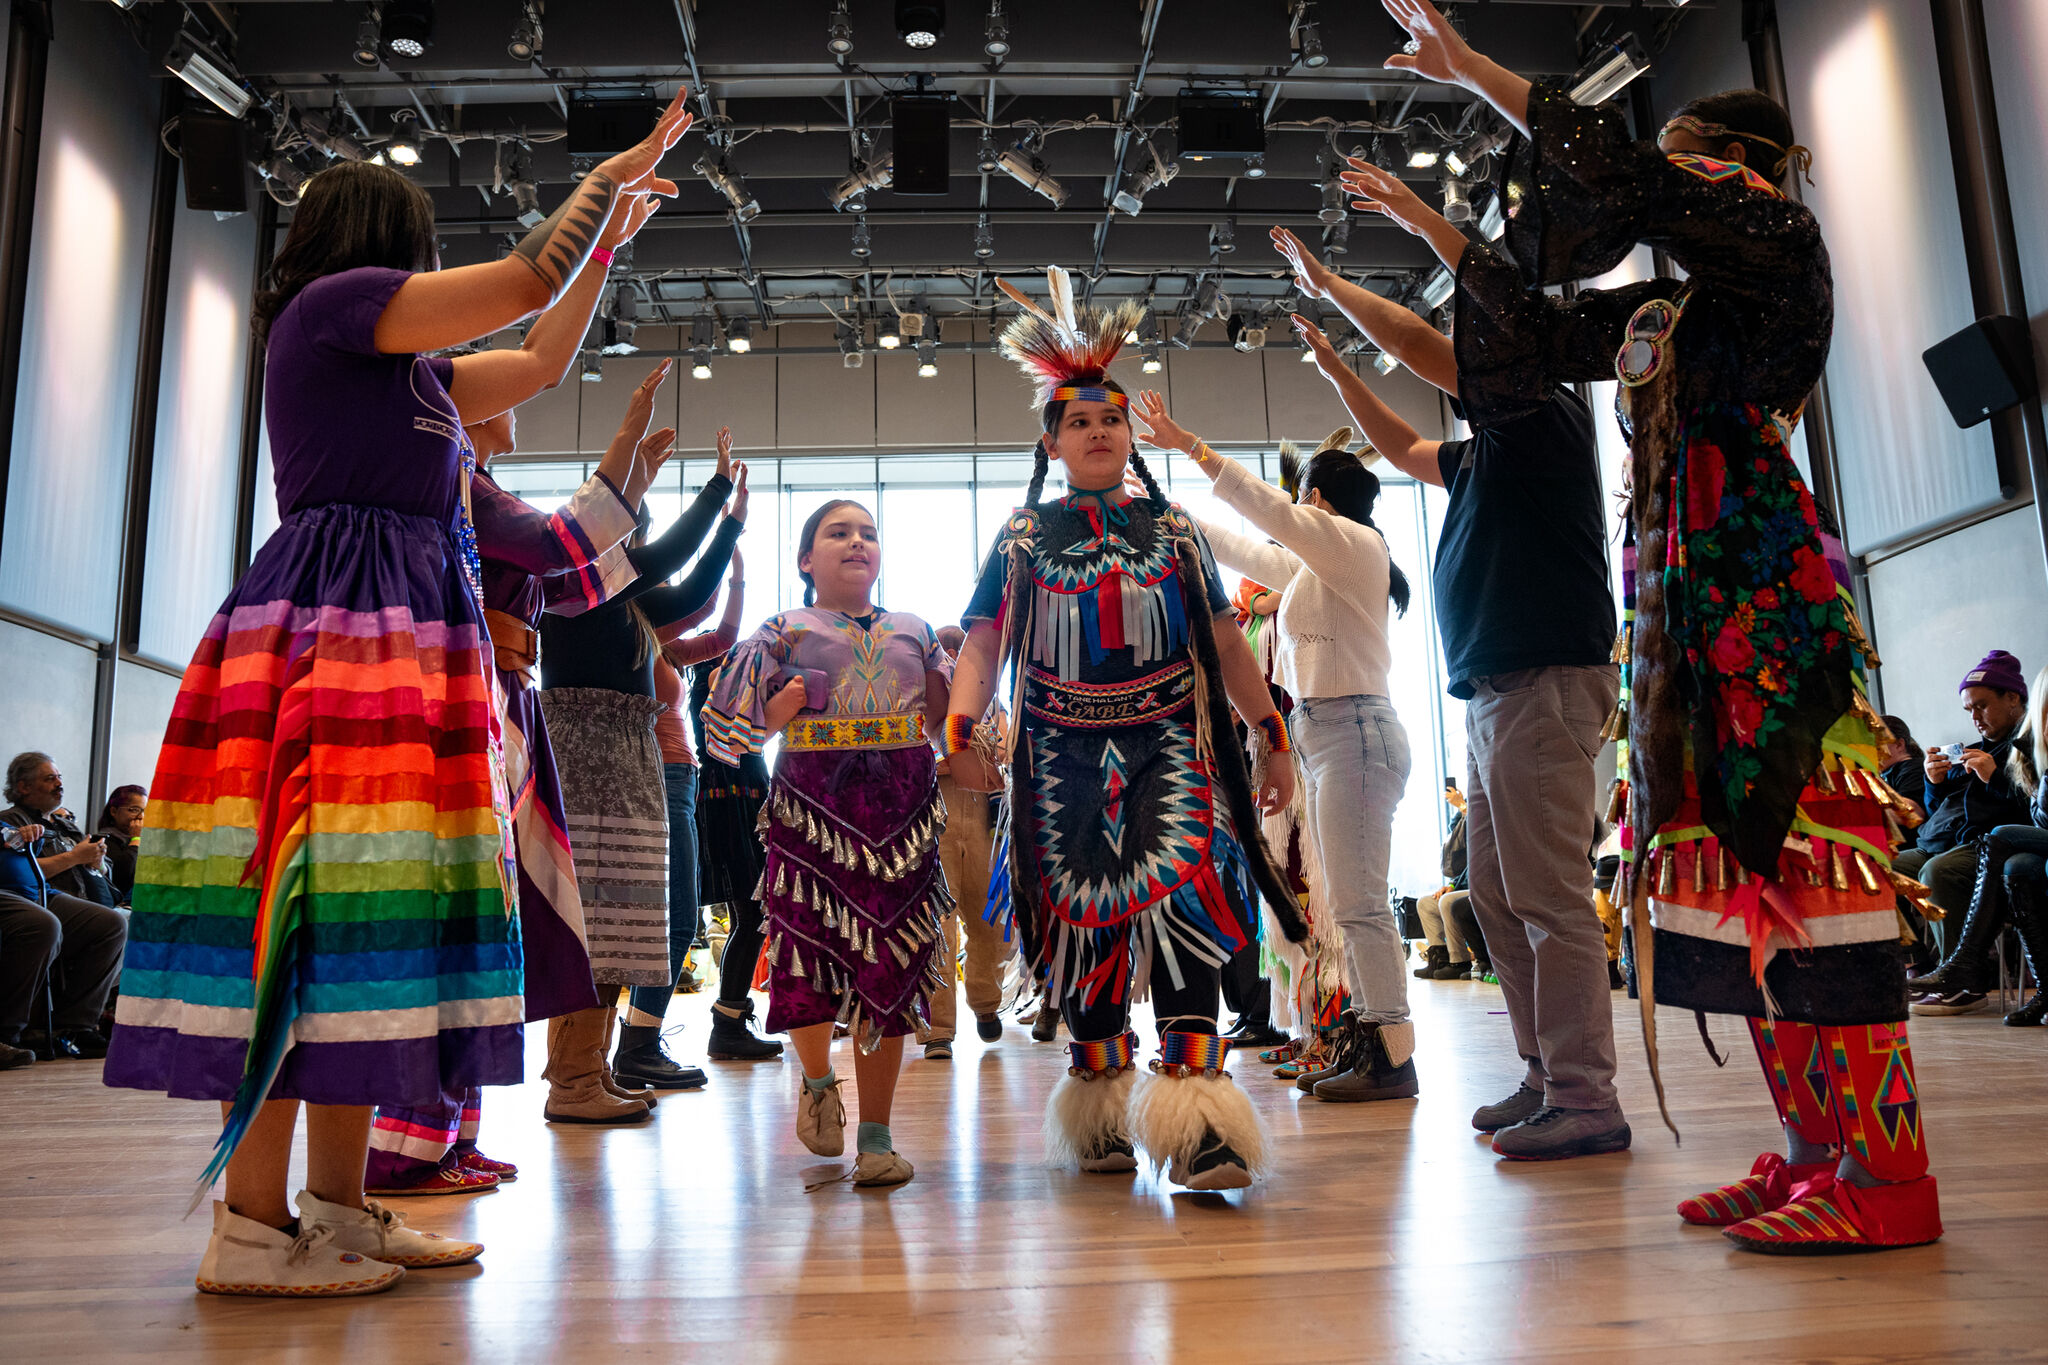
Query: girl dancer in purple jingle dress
{"points": [[852, 888]]}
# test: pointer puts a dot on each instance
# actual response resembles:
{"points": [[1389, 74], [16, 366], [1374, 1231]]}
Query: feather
{"points": [[1059, 288], [1290, 468], [1070, 345], [1023, 301]]}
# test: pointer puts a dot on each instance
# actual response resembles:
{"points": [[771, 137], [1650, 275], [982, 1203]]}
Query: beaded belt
{"points": [[1102, 705], [903, 730]]}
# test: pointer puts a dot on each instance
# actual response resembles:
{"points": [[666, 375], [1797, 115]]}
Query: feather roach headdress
{"points": [[1067, 349]]}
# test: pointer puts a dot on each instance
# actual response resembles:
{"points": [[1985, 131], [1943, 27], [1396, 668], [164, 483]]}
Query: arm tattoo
{"points": [[556, 249]]}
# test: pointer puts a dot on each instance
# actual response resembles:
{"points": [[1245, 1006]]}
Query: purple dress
{"points": [[852, 889], [321, 902]]}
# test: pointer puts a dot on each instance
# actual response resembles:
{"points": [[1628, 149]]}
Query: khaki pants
{"points": [[964, 850]]}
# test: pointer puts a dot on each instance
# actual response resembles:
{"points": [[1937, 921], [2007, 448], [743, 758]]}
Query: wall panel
{"points": [[2017, 38], [53, 715], [189, 563], [1866, 96], [67, 481], [142, 710]]}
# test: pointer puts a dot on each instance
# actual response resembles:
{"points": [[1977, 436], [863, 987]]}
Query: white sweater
{"points": [[1331, 574]]}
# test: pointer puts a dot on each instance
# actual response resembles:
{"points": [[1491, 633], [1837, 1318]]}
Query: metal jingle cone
{"points": [[1699, 866], [1720, 866], [1865, 872], [1822, 778], [1667, 870], [1838, 868]]}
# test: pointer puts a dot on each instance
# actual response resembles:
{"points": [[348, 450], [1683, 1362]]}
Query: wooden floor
{"points": [[1388, 1231]]}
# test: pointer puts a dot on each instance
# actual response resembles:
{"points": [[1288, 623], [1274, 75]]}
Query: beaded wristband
{"points": [[1108, 1057], [959, 734], [1276, 733], [603, 256]]}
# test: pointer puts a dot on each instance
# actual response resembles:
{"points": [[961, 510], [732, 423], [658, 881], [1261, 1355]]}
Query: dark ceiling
{"points": [[1085, 82]]}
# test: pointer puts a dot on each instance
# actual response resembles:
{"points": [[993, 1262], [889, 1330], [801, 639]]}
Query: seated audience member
{"points": [[1969, 794], [72, 863], [121, 827], [1447, 958], [1902, 763], [1458, 914], [50, 943]]}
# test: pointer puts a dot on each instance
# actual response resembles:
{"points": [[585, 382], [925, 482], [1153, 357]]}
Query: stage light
{"points": [[1255, 167], [911, 321], [1223, 237], [208, 75], [727, 182], [927, 359], [984, 239], [1337, 238], [1210, 300], [850, 354], [995, 40], [369, 38], [1441, 286], [851, 194], [403, 146], [1491, 224], [1131, 199], [593, 366], [1614, 66], [985, 159], [1421, 149], [1027, 170], [1334, 209], [739, 336], [1152, 364], [1190, 324], [1306, 34], [839, 32], [408, 28], [1457, 202], [889, 338], [700, 365], [1385, 363], [920, 23], [524, 44], [863, 243]]}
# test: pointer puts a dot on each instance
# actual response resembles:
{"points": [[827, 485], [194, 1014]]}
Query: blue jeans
{"points": [[1351, 754], [681, 779]]}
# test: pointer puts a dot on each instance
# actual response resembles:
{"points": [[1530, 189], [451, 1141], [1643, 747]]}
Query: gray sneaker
{"points": [[1552, 1134], [1491, 1118]]}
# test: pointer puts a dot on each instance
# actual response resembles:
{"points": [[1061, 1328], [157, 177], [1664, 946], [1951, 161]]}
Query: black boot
{"points": [[1437, 956], [642, 1061], [1453, 971], [1046, 1027], [1969, 965], [732, 1035], [1375, 1075], [2028, 900]]}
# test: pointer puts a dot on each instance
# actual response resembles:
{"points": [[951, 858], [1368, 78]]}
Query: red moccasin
{"points": [[1831, 1216], [1769, 1185]]}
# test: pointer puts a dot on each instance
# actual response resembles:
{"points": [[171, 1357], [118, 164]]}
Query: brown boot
{"points": [[575, 1072], [612, 1084]]}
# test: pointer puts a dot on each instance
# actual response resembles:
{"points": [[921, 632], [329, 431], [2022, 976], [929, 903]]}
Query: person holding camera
{"points": [[49, 935], [1971, 791]]}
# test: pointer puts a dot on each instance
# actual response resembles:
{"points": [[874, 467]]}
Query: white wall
{"points": [[50, 706]]}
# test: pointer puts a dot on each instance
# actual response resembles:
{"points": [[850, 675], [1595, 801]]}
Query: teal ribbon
{"points": [[1112, 513]]}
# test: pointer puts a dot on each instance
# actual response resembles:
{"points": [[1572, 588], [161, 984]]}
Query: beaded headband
{"points": [[1795, 155], [1088, 395]]}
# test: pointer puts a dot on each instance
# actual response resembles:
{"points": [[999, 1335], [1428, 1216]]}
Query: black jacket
{"points": [[1964, 808]]}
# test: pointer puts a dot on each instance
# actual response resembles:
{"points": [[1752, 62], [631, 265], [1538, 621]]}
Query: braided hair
{"points": [[1350, 490], [1041, 462]]}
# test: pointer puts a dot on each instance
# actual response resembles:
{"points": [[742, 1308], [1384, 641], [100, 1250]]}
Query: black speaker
{"points": [[1985, 368], [601, 125], [1215, 123], [210, 148], [921, 140]]}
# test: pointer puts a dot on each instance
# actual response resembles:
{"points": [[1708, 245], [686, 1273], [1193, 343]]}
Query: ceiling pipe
{"points": [[1125, 117]]}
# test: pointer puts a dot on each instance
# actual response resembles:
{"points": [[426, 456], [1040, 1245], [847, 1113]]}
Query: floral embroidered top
{"points": [[1742, 653], [870, 669]]}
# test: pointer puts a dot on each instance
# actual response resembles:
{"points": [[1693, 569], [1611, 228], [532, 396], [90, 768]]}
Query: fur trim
{"points": [[1080, 1113], [1170, 1114], [1398, 1041]]}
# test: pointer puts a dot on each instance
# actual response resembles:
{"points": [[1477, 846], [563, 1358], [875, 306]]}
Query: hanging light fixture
{"points": [[927, 359], [1457, 201], [1612, 67], [920, 23], [524, 44], [1152, 364], [1130, 200], [1025, 167], [1421, 149], [984, 239], [403, 147], [369, 38], [727, 182], [408, 28], [995, 41], [839, 31], [739, 336], [863, 242]]}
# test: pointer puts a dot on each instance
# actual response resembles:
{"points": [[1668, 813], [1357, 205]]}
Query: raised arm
{"points": [[437, 309], [664, 604], [659, 559], [1397, 442], [1394, 329], [1255, 559], [491, 382], [1436, 52]]}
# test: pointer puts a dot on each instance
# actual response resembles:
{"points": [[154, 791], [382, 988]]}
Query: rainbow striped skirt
{"points": [[320, 893]]}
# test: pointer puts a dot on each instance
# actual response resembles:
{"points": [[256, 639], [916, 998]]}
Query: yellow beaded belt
{"points": [[903, 730]]}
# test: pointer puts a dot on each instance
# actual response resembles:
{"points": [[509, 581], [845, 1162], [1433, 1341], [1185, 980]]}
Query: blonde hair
{"points": [[2029, 756]]}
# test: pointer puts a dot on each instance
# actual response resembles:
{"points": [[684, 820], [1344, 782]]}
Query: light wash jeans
{"points": [[1352, 755]]}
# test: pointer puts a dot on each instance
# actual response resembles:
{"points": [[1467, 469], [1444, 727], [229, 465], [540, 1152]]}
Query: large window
{"points": [[939, 514]]}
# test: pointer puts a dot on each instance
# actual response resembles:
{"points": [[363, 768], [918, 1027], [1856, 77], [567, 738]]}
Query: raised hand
{"points": [[1311, 276], [1434, 51], [650, 455], [622, 462], [634, 168], [629, 215], [725, 452], [739, 567], [738, 510], [1327, 359], [1164, 432], [1381, 191]]}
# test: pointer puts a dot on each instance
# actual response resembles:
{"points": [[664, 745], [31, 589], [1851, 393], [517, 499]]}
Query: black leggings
{"points": [[742, 951], [1108, 1019]]}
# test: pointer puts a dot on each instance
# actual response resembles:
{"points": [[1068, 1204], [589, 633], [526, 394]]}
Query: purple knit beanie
{"points": [[1997, 670]]}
